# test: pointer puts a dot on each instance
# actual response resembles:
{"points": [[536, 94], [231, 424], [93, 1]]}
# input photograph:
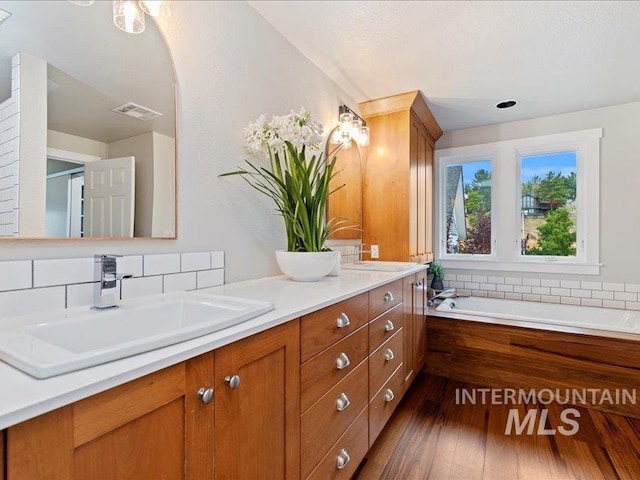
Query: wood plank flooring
{"points": [[431, 437]]}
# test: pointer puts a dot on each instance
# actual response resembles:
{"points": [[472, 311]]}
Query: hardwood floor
{"points": [[431, 437]]}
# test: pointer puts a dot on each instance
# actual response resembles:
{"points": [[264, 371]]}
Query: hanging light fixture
{"points": [[128, 16], [156, 8], [82, 3], [352, 127]]}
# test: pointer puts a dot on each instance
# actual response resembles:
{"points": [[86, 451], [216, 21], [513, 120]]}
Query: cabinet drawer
{"points": [[354, 443], [384, 361], [383, 298], [383, 327], [384, 403], [324, 422], [321, 373], [325, 327]]}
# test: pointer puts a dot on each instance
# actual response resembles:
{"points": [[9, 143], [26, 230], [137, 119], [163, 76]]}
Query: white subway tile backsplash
{"points": [[632, 305], [602, 294], [80, 294], [180, 282], [217, 259], [504, 288], [591, 302], [34, 300], [581, 293], [130, 265], [632, 287], [472, 285], [562, 292], [456, 284], [464, 278], [541, 290], [550, 299], [615, 287], [570, 300], [137, 287], [210, 278], [531, 298], [196, 261], [626, 296], [591, 285], [15, 275], [478, 293], [495, 294], [162, 263], [532, 282], [464, 292], [569, 284], [613, 304], [513, 281], [488, 286], [62, 271], [479, 278], [522, 289], [513, 296], [497, 280]]}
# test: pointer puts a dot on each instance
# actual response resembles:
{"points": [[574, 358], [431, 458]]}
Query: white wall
{"points": [[619, 174], [74, 143], [231, 66], [164, 186], [33, 146]]}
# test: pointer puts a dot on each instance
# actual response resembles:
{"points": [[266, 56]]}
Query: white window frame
{"points": [[480, 155], [505, 208]]}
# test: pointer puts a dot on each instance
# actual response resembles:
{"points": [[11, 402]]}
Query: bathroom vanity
{"points": [[302, 393]]}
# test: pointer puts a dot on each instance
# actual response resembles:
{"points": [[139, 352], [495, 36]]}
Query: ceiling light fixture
{"points": [[506, 104], [4, 15], [156, 8], [128, 16], [352, 127]]}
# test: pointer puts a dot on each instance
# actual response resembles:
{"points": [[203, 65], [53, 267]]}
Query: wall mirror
{"points": [[87, 125], [346, 203]]}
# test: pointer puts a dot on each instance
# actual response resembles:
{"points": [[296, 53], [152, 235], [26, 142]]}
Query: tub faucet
{"points": [[105, 292], [432, 300]]}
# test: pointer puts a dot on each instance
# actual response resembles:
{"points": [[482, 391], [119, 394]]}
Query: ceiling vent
{"points": [[136, 111], [4, 15]]}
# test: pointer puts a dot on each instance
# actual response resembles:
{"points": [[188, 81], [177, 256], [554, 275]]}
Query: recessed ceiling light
{"points": [[506, 104], [4, 15]]}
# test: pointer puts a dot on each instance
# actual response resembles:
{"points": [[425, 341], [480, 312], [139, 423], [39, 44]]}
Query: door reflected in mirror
{"points": [[87, 125]]}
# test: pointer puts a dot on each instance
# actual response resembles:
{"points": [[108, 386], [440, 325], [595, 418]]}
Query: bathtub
{"points": [[566, 318]]}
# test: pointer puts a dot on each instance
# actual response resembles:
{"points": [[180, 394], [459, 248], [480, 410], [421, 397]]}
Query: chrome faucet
{"points": [[432, 300], [105, 290]]}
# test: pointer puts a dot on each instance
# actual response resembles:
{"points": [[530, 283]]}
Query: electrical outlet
{"points": [[375, 251]]}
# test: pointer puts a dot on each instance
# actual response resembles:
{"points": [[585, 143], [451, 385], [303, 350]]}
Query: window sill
{"points": [[536, 267]]}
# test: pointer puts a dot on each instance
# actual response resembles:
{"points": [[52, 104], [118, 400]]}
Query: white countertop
{"points": [[23, 397]]}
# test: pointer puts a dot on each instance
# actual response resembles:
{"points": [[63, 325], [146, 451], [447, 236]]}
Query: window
{"points": [[529, 204], [468, 208]]}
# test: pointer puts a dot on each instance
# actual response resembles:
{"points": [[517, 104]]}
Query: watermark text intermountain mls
{"points": [[562, 396]]}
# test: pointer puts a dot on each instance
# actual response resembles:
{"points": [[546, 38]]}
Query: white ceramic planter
{"points": [[306, 266]]}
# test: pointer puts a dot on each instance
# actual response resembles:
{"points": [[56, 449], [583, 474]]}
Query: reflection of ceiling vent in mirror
{"points": [[4, 15], [136, 111]]}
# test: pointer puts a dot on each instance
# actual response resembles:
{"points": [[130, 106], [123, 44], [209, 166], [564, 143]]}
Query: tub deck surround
{"points": [[23, 397]]}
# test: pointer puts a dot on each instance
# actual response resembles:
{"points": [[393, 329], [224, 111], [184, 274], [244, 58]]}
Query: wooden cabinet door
{"points": [[419, 348], [429, 200], [133, 431], [422, 192], [407, 306], [257, 423], [414, 193]]}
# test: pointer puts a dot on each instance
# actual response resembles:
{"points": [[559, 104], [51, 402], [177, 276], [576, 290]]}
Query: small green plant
{"points": [[436, 270]]}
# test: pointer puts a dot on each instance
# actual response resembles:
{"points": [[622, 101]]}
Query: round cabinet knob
{"points": [[388, 395], [388, 297], [342, 361], [232, 382], [342, 402], [343, 459], [389, 326], [205, 395], [343, 320], [389, 355]]}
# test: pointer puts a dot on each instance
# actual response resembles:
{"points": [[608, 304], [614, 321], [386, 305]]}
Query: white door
{"points": [[109, 197]]}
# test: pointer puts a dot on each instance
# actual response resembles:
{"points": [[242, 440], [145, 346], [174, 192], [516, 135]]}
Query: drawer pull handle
{"points": [[389, 326], [205, 395], [343, 320], [342, 402], [388, 297], [342, 361], [232, 382], [389, 355], [388, 395], [343, 459]]}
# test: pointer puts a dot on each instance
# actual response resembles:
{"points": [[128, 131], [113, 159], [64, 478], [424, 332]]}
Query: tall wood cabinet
{"points": [[398, 177]]}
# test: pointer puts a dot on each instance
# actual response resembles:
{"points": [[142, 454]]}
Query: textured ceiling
{"points": [[551, 56]]}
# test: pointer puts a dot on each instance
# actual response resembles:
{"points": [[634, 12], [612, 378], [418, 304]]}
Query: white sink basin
{"points": [[68, 341], [379, 266]]}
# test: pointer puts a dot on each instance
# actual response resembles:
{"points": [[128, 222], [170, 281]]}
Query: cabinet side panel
{"points": [[2, 455]]}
